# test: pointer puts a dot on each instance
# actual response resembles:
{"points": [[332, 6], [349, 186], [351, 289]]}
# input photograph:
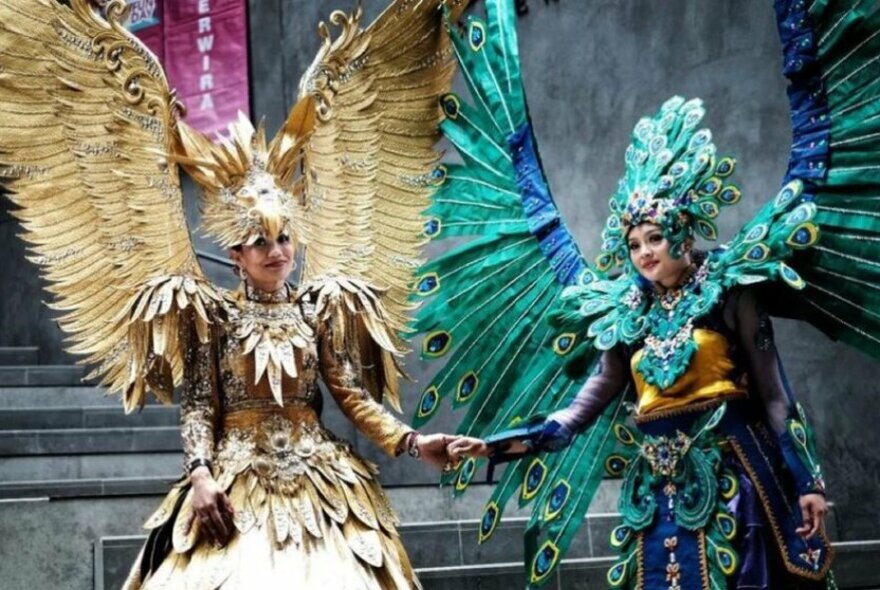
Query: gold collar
{"points": [[252, 293]]}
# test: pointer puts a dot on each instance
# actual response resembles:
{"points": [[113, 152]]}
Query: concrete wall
{"points": [[591, 70]]}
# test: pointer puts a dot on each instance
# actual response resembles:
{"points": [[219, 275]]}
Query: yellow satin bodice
{"points": [[708, 377]]}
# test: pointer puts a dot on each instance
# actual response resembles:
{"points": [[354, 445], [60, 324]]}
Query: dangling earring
{"points": [[242, 274]]}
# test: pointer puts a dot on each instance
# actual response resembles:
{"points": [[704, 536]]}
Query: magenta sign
{"points": [[203, 46]]}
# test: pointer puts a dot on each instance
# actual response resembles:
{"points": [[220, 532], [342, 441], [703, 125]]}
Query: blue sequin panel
{"points": [[810, 113], [542, 216]]}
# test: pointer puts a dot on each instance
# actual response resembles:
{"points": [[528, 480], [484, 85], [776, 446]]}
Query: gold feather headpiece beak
{"points": [[250, 189]]}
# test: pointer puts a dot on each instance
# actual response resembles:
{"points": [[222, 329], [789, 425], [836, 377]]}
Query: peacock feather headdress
{"points": [[673, 179]]}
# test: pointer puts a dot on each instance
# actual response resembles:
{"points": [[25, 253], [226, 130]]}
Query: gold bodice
{"points": [[708, 377], [264, 363]]}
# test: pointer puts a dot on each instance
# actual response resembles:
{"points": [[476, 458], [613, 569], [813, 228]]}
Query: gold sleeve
{"points": [[342, 374], [198, 401]]}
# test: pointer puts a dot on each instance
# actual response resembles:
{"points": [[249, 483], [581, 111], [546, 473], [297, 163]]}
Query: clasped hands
{"points": [[445, 451]]}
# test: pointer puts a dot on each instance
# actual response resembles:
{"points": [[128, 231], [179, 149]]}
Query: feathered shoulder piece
{"points": [[350, 313]]}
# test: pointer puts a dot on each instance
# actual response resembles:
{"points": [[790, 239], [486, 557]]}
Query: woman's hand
{"points": [[467, 446], [432, 448], [212, 507], [814, 507]]}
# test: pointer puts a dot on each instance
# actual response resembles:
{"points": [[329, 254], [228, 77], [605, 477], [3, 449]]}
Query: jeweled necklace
{"points": [[669, 298], [253, 293], [669, 345]]}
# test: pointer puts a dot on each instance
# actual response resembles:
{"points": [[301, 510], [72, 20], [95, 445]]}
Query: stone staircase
{"points": [[78, 478]]}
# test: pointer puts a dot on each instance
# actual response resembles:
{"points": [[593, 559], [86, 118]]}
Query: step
{"points": [[89, 441], [40, 418], [29, 473], [414, 504], [855, 565], [145, 474], [19, 355], [87, 488], [56, 397], [42, 375], [142, 474]]}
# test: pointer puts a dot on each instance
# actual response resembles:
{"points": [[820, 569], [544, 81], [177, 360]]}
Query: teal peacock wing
{"points": [[832, 59], [487, 303]]}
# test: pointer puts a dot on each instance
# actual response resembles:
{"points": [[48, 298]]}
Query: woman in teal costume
{"points": [[696, 485], [721, 481]]}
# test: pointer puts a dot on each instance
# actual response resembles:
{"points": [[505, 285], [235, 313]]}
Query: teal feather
{"points": [[489, 301], [840, 275], [581, 467]]}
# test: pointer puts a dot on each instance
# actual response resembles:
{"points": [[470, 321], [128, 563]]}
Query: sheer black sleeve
{"points": [[768, 382], [604, 384]]}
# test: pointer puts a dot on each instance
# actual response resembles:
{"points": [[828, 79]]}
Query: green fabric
{"points": [[842, 294], [578, 470], [695, 479], [485, 304]]}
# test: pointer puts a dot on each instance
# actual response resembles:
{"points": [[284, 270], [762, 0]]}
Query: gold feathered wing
{"points": [[368, 168], [86, 120]]}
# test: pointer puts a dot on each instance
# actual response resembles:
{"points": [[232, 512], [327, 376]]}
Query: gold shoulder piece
{"points": [[352, 313]]}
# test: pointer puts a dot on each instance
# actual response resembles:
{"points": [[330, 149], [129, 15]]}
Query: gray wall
{"points": [[591, 70]]}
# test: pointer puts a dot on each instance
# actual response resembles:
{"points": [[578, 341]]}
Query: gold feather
{"points": [[371, 152], [363, 542], [308, 503], [88, 126]]}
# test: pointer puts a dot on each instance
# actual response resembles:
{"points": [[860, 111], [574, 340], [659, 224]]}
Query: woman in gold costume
{"points": [[272, 495], [93, 158]]}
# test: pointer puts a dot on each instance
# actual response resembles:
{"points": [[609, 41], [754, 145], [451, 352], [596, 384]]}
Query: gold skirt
{"points": [[309, 514]]}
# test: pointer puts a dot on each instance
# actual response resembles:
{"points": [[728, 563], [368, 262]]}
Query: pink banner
{"points": [[145, 18], [203, 46]]}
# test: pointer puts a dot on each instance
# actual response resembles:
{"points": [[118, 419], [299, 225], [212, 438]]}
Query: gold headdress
{"points": [[248, 186]]}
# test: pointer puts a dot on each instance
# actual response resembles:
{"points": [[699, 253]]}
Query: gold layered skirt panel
{"points": [[309, 515]]}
